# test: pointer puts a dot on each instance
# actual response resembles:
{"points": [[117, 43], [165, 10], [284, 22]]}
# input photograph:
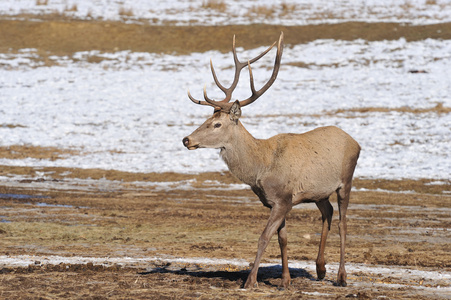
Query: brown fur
{"points": [[285, 170]]}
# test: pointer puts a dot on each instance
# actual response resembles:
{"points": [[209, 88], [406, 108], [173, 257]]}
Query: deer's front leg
{"points": [[274, 223]]}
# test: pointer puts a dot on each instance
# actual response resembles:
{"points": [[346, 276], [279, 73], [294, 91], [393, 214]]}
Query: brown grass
{"points": [[350, 113], [218, 5], [57, 36], [24, 151], [261, 11], [42, 2], [213, 224], [72, 8], [199, 222], [60, 173], [265, 11], [438, 109], [125, 12], [287, 8], [12, 126]]}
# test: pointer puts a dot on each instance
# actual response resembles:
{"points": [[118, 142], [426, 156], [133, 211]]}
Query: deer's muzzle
{"points": [[187, 143]]}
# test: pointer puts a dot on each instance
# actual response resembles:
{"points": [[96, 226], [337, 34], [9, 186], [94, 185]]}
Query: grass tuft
{"points": [[218, 5], [126, 12], [261, 11], [265, 11], [72, 8], [42, 2]]}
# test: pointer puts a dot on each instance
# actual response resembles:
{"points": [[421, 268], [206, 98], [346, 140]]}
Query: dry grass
{"points": [[217, 5], [25, 151], [280, 10], [287, 8], [203, 223], [126, 12], [353, 112], [57, 35], [438, 109], [11, 126], [42, 2], [407, 5], [261, 11], [213, 224], [72, 8]]}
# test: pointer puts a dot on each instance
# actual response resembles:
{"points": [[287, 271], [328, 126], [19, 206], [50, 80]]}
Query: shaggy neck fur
{"points": [[243, 155]]}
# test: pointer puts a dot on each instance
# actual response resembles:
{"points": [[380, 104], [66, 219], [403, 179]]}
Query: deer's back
{"points": [[313, 161]]}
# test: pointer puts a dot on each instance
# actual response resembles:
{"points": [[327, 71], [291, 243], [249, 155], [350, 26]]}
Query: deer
{"points": [[284, 170]]}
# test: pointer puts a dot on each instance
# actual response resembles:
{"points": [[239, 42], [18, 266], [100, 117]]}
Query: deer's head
{"points": [[216, 130]]}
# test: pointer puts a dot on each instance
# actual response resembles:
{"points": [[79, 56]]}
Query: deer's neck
{"points": [[245, 155]]}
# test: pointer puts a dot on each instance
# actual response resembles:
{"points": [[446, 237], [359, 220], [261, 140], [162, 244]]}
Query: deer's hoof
{"points": [[250, 284], [341, 281], [284, 284], [320, 270], [321, 274]]}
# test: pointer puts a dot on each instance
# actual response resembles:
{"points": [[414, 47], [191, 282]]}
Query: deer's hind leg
{"points": [[326, 211], [343, 194], [343, 201]]}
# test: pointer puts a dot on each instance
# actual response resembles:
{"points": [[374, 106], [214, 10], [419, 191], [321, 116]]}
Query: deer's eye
{"points": [[217, 125]]}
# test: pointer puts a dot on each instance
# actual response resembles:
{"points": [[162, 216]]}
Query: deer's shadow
{"points": [[264, 273]]}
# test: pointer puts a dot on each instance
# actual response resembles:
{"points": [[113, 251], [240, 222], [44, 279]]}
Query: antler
{"points": [[224, 104]]}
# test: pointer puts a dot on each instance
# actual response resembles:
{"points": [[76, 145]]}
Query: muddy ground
{"points": [[101, 224]]}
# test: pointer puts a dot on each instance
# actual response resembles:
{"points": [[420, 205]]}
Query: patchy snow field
{"points": [[130, 111], [405, 275], [215, 12]]}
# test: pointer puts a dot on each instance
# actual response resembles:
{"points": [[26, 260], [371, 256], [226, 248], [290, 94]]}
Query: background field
{"points": [[99, 198]]}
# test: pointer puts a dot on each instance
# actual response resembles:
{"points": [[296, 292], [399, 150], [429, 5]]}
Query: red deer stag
{"points": [[284, 170]]}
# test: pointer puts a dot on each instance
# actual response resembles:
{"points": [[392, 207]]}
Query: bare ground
{"points": [[393, 224], [400, 225]]}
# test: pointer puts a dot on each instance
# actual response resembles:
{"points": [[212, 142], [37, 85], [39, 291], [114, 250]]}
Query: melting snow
{"points": [[130, 112]]}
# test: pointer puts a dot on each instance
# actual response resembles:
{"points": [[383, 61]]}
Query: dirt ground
{"points": [[96, 234], [404, 226]]}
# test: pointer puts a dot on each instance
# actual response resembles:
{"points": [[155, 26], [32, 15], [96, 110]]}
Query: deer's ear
{"points": [[235, 111]]}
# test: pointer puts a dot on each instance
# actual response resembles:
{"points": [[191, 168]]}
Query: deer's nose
{"points": [[185, 141]]}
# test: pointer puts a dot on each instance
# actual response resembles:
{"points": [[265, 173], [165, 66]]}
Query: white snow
{"points": [[199, 12], [407, 277], [395, 271], [130, 111]]}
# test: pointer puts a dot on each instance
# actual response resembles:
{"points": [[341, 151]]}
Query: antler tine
{"points": [[228, 91], [210, 101], [224, 104], [216, 78], [256, 94], [261, 54], [197, 101], [238, 67]]}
